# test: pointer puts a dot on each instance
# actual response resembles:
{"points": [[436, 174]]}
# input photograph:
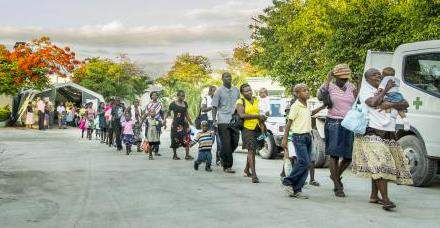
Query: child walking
{"points": [[127, 132], [152, 134], [205, 139], [300, 120], [82, 125]]}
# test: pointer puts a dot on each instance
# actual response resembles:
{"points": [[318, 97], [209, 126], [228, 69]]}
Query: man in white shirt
{"points": [[207, 106], [40, 109]]}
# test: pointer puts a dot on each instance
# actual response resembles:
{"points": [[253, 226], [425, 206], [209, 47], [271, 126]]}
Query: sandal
{"points": [[188, 157], [255, 180], [376, 201], [314, 183], [388, 205], [176, 158], [247, 174]]}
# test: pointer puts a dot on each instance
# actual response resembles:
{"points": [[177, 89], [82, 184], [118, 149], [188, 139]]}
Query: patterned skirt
{"points": [[379, 157], [128, 139]]}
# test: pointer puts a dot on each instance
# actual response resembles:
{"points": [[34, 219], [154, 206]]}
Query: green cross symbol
{"points": [[417, 103]]}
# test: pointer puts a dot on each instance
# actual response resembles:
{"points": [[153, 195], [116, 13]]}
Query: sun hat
{"points": [[342, 71]]}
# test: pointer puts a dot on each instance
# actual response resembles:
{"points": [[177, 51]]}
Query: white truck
{"points": [[417, 65]]}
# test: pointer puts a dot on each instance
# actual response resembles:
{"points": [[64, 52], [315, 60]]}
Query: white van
{"points": [[417, 65]]}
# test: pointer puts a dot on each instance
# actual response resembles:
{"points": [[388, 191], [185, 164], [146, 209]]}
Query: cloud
{"points": [[115, 34], [232, 10]]}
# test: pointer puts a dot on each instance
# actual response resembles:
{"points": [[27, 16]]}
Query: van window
{"points": [[423, 72]]}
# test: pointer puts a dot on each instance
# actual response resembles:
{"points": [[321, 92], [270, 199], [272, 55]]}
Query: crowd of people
{"points": [[227, 111]]}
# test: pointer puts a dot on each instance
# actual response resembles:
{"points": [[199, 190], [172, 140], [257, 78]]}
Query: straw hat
{"points": [[342, 71]]}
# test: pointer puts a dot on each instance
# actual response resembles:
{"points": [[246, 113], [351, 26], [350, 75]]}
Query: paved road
{"points": [[55, 179]]}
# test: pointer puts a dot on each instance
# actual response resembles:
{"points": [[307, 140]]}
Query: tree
{"points": [[125, 80], [300, 41], [191, 74], [29, 65]]}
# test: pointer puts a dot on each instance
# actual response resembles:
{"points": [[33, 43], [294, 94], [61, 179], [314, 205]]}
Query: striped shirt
{"points": [[205, 140]]}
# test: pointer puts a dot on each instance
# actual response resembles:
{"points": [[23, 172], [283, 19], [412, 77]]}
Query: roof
{"points": [[71, 84]]}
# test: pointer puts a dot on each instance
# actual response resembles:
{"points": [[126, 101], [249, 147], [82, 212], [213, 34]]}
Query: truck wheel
{"points": [[269, 148], [318, 147], [423, 169]]}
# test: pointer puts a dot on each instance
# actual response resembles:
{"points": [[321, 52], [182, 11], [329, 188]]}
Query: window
{"points": [[423, 72], [275, 110]]}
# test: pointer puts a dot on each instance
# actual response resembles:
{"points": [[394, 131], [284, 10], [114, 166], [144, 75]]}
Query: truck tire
{"points": [[423, 169], [269, 148], [318, 147]]}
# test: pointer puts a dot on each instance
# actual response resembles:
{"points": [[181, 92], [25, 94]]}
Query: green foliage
{"points": [[190, 74], [300, 41], [5, 112], [109, 78]]}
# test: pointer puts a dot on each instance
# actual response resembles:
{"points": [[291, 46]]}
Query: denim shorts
{"points": [[338, 140]]}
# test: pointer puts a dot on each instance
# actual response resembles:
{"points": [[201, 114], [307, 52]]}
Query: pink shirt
{"points": [[342, 100], [128, 127], [40, 105]]}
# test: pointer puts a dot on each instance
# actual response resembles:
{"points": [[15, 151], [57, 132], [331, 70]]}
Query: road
{"points": [[55, 179]]}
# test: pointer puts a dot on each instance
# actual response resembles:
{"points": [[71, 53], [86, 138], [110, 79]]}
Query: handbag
{"points": [[236, 121], [356, 119]]}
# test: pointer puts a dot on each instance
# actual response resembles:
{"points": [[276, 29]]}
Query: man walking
{"points": [[223, 106], [117, 113], [40, 108]]}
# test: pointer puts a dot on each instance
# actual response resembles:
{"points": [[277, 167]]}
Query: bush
{"points": [[5, 112]]}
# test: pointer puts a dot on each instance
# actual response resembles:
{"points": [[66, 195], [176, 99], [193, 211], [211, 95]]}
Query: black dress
{"points": [[179, 127]]}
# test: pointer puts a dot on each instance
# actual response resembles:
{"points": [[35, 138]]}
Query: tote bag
{"points": [[356, 119]]}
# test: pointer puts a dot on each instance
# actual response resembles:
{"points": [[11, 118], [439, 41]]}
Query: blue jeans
{"points": [[204, 156], [298, 176]]}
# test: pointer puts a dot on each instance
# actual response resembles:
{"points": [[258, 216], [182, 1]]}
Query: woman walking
{"points": [[338, 140], [136, 114], [156, 107], [90, 115], [377, 154], [180, 125], [253, 126]]}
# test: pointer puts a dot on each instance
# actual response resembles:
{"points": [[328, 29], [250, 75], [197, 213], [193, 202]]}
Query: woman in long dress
{"points": [[29, 116], [376, 154]]}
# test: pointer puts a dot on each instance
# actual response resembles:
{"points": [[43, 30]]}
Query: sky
{"points": [[152, 33]]}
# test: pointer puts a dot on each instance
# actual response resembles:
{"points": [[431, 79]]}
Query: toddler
{"points": [[394, 96], [205, 139]]}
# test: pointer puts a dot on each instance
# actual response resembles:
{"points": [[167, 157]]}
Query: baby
{"points": [[394, 95]]}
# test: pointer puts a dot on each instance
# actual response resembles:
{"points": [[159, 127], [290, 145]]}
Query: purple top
{"points": [[342, 100]]}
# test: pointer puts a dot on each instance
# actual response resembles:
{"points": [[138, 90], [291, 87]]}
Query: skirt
{"points": [[128, 139], [30, 118], [250, 139], [377, 157], [179, 136], [338, 140]]}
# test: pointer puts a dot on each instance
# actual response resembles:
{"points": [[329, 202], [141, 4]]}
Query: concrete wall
{"points": [[5, 100]]}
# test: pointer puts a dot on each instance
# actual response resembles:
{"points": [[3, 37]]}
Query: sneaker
{"points": [[196, 166], [300, 195], [288, 189]]}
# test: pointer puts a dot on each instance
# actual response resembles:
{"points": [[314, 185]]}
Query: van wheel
{"points": [[318, 147], [269, 148], [423, 169]]}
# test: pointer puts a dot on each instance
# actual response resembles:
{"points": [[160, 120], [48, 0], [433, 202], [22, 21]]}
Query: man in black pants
{"points": [[223, 106]]}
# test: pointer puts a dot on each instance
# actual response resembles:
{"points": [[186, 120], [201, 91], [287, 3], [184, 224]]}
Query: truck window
{"points": [[423, 72]]}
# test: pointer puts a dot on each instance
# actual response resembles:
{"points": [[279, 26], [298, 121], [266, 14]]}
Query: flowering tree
{"points": [[28, 65]]}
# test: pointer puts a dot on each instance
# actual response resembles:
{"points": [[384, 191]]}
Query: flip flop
{"points": [[176, 158], [388, 206], [376, 201], [247, 174], [189, 157]]}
